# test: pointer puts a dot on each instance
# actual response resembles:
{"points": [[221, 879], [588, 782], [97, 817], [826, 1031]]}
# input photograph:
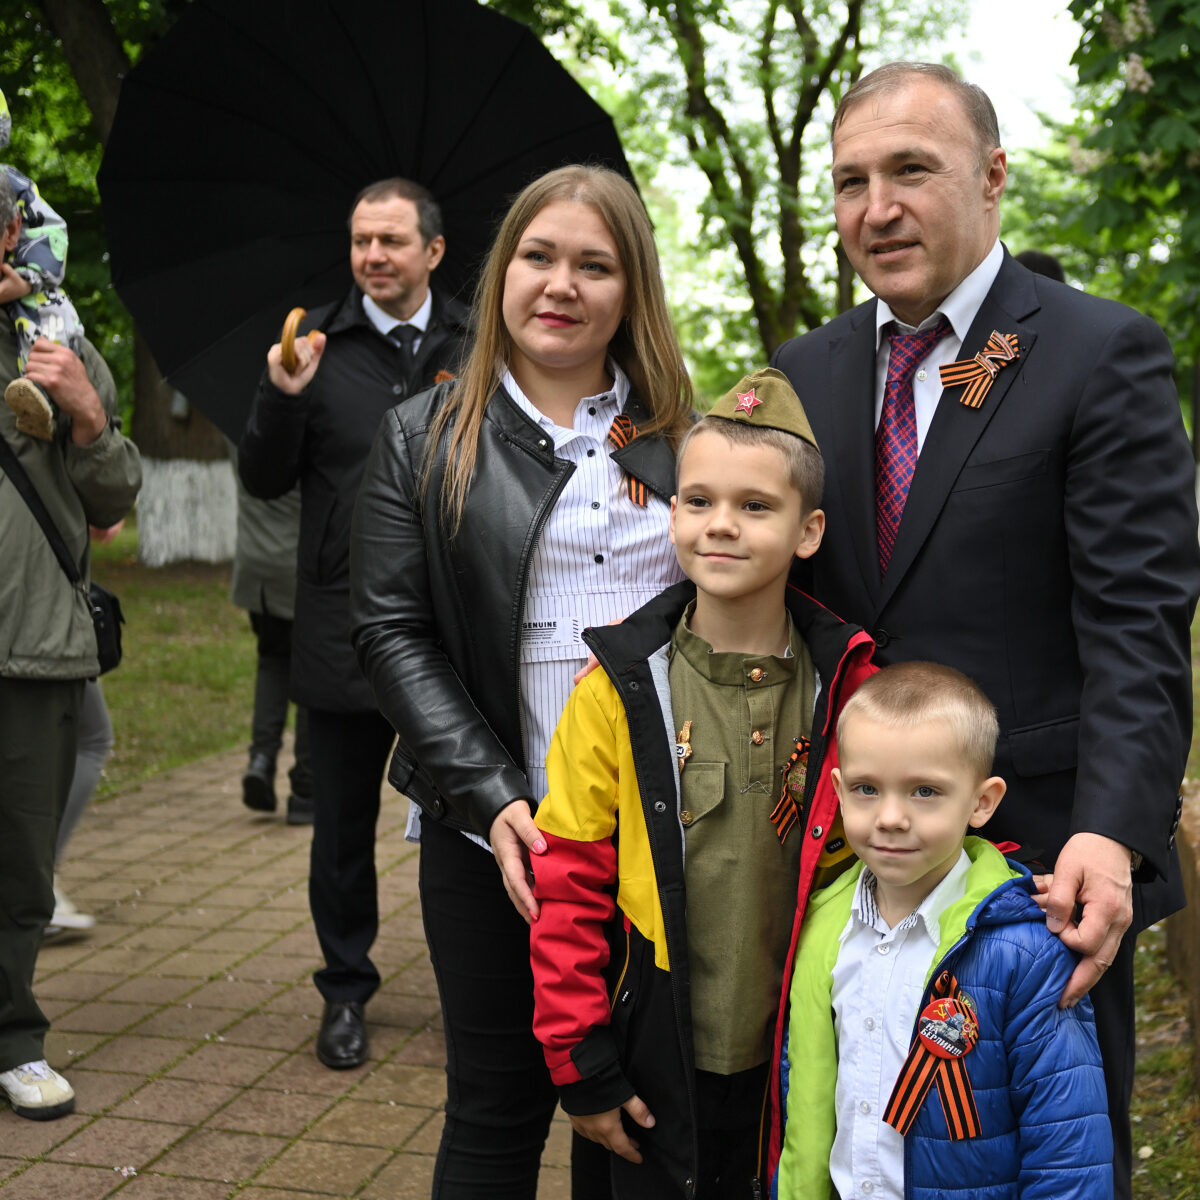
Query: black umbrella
{"points": [[241, 139]]}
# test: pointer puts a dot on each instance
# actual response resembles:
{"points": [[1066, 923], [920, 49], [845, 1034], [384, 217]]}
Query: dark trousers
{"points": [[499, 1098], [271, 683], [349, 752], [729, 1115], [729, 1134], [38, 732], [1112, 998]]}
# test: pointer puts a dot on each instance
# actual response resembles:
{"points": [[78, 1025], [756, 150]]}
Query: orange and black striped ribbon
{"points": [[978, 372], [620, 433], [922, 1069], [785, 814]]}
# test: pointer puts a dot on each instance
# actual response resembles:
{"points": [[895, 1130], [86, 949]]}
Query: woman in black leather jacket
{"points": [[499, 515]]}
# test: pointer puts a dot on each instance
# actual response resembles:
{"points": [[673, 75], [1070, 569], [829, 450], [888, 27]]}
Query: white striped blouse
{"points": [[600, 557]]}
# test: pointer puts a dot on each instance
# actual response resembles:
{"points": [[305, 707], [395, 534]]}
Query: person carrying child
{"points": [[34, 246], [689, 802], [928, 968]]}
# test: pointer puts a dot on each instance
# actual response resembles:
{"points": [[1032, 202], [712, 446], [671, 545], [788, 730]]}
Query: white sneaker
{"points": [[66, 915], [37, 1091]]}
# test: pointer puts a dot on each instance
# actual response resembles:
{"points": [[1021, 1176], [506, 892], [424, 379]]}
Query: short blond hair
{"points": [[909, 694], [805, 466]]}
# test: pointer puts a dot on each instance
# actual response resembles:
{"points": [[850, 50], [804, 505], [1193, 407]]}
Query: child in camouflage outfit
{"points": [[35, 255]]}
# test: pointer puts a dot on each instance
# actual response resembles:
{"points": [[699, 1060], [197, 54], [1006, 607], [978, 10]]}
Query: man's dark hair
{"points": [[429, 215], [891, 77], [1041, 263]]}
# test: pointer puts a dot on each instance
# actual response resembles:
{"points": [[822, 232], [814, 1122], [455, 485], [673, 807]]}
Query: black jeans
{"points": [[349, 752], [499, 1098]]}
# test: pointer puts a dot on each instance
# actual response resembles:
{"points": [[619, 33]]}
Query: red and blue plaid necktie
{"points": [[896, 437]]}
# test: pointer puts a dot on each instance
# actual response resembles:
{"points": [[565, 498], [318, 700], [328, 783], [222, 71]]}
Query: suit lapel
{"points": [[852, 384], [956, 429]]}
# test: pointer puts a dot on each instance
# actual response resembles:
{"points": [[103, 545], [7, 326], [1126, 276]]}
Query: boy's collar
{"points": [[732, 669], [865, 905]]}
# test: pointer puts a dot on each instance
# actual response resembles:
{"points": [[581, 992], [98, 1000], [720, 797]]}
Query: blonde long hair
{"points": [[644, 344]]}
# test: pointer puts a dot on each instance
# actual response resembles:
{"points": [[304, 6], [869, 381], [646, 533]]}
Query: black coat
{"points": [[321, 439], [1048, 550], [436, 620]]}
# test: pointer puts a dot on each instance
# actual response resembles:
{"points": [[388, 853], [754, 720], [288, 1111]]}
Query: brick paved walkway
{"points": [[186, 1020]]}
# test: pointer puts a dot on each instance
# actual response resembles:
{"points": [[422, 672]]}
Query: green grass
{"points": [[1166, 1107], [185, 686]]}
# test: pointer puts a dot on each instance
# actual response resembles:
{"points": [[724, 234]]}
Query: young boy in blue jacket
{"points": [[926, 1055]]}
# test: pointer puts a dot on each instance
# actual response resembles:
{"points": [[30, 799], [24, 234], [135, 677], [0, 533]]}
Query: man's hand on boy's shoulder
{"points": [[1088, 902], [607, 1129]]}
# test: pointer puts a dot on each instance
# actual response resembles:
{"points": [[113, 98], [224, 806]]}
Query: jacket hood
{"points": [[1012, 902], [1007, 888]]}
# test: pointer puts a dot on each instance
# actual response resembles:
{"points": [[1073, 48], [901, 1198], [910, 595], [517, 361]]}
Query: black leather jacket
{"points": [[436, 620]]}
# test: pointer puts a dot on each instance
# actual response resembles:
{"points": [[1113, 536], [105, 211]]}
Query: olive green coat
{"points": [[45, 623]]}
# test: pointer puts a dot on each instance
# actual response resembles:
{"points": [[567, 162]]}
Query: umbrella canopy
{"points": [[242, 137]]}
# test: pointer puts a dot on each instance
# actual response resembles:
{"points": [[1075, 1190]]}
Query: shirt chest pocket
{"points": [[702, 789]]}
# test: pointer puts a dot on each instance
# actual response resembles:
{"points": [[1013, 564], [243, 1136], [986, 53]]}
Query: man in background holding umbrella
{"points": [[388, 339]]}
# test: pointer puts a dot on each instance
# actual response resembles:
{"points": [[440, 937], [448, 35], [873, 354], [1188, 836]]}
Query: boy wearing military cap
{"points": [[689, 806]]}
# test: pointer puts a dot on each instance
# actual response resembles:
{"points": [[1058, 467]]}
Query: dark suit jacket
{"points": [[1048, 550]]}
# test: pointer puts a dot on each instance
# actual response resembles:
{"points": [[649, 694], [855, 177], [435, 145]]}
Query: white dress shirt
{"points": [[385, 322], [878, 980], [960, 309]]}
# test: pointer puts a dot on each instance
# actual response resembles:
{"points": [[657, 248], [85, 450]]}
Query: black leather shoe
{"points": [[299, 810], [258, 784], [342, 1042]]}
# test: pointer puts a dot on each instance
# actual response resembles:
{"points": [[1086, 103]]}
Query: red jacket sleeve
{"points": [[568, 947]]}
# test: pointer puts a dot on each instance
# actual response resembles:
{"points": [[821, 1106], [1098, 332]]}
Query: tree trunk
{"points": [[93, 52], [164, 424]]}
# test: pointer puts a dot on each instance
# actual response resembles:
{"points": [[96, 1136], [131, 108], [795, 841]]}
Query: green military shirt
{"points": [[747, 713]]}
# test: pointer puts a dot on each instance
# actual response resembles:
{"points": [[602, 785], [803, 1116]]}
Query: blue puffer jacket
{"points": [[1035, 1072]]}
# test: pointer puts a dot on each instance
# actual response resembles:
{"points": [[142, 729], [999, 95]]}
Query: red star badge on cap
{"points": [[747, 402]]}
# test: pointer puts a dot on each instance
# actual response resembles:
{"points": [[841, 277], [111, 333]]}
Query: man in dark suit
{"points": [[390, 337], [1032, 523]]}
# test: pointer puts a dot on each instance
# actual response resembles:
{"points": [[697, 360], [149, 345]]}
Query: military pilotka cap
{"points": [[767, 400]]}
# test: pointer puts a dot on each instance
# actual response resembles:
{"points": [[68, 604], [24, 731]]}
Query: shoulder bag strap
{"points": [[13, 469]]}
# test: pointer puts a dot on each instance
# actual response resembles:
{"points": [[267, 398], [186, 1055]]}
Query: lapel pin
{"points": [[979, 372], [683, 747]]}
